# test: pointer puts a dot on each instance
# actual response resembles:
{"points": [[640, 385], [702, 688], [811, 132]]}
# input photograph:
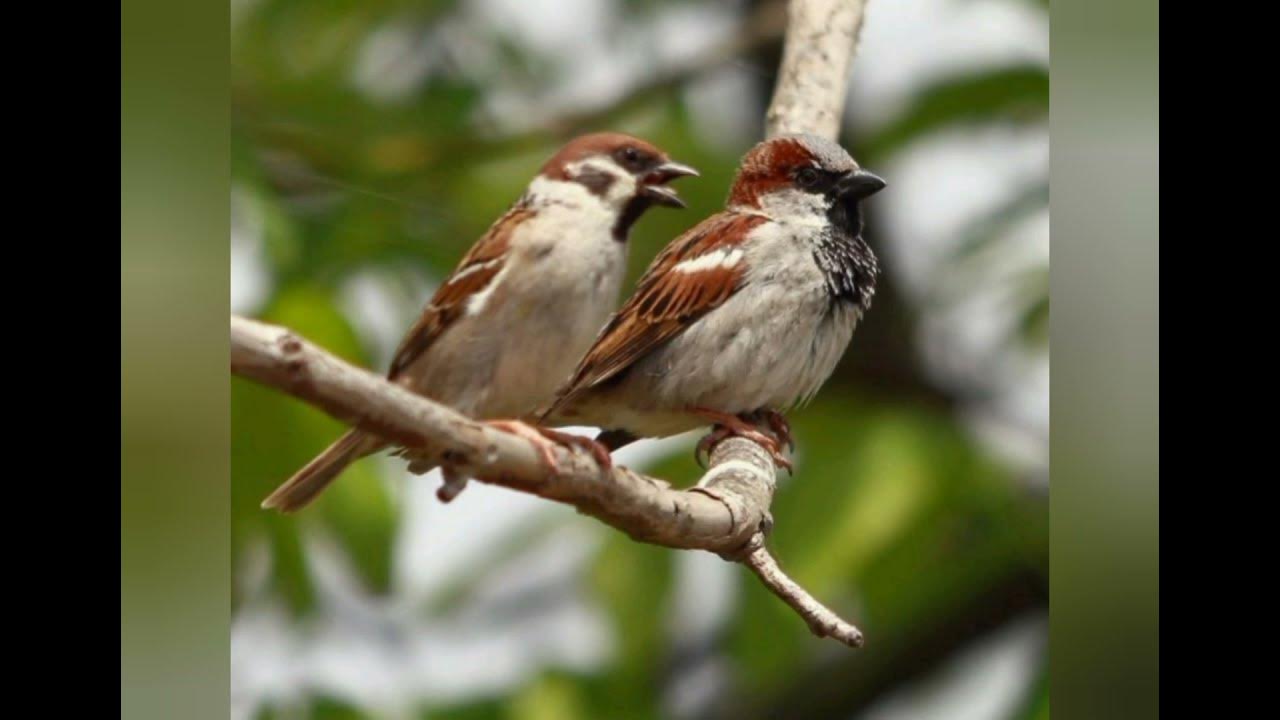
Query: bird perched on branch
{"points": [[742, 317], [506, 327]]}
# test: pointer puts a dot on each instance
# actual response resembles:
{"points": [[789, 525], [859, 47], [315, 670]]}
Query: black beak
{"points": [[653, 184], [860, 184]]}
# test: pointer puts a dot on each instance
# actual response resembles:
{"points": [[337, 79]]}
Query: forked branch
{"points": [[727, 512]]}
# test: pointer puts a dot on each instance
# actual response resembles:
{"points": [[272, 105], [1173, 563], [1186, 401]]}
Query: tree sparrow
{"points": [[742, 317], [505, 329]]}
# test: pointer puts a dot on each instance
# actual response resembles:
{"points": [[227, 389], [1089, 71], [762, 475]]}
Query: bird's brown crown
{"points": [[628, 152], [771, 165]]}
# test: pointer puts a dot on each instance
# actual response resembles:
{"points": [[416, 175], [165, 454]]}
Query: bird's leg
{"points": [[734, 425], [546, 440], [781, 428], [594, 448]]}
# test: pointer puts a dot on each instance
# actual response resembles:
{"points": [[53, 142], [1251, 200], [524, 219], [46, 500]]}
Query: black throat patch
{"points": [[849, 266], [634, 208]]}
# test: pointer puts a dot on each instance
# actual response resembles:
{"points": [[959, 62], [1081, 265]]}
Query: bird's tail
{"points": [[298, 491]]}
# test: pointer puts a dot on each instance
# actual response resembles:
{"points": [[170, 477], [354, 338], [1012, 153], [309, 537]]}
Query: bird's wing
{"points": [[696, 273], [478, 269]]}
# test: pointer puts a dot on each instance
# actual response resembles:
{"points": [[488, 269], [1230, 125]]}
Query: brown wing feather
{"points": [[665, 302], [474, 273]]}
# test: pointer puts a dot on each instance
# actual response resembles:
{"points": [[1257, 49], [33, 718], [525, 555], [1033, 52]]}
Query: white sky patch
{"points": [[377, 312], [704, 598], [722, 258], [485, 516], [907, 44], [394, 61], [621, 54], [959, 177], [681, 33], [692, 693], [715, 102], [250, 282], [988, 680], [970, 309], [546, 29]]}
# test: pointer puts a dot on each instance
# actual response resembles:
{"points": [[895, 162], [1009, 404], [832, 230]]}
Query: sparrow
{"points": [[744, 316], [507, 326]]}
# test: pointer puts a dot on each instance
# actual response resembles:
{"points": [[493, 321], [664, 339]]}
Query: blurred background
{"points": [[372, 143]]}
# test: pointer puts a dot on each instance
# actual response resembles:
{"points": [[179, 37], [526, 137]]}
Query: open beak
{"points": [[860, 184], [654, 183]]}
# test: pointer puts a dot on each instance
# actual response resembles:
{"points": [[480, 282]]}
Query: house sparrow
{"points": [[742, 317], [504, 330]]}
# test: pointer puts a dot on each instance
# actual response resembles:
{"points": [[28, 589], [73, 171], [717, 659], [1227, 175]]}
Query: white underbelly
{"points": [[766, 349], [510, 360]]}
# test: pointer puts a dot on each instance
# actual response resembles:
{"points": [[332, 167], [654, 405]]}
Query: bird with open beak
{"points": [[744, 316], [507, 326]]}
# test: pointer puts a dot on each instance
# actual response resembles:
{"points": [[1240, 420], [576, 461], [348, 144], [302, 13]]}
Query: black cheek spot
{"points": [[596, 181]]}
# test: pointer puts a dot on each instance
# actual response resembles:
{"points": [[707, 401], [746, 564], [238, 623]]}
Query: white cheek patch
{"points": [[722, 258], [795, 207]]}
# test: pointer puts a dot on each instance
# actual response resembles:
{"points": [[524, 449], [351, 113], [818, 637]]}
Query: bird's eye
{"points": [[629, 157], [807, 178]]}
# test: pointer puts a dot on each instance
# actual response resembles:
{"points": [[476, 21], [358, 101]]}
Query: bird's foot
{"points": [[702, 454], [728, 425], [546, 441], [595, 449], [780, 427]]}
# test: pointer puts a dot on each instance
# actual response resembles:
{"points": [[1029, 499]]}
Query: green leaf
{"points": [[1017, 95], [1037, 708], [550, 697], [492, 708], [273, 435], [1033, 325], [980, 234], [633, 582], [893, 519]]}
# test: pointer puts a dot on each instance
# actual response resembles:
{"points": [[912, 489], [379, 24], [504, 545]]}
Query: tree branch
{"points": [[814, 76], [727, 512]]}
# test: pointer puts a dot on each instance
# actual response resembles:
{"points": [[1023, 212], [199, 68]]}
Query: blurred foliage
{"points": [[895, 515], [1018, 95]]}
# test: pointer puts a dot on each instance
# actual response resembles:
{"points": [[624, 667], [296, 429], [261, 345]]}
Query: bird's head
{"points": [[803, 176], [626, 173]]}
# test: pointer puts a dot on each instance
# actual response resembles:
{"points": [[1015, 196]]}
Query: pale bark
{"points": [[814, 76], [727, 512]]}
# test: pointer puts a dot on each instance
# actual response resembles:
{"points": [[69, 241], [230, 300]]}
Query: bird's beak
{"points": [[860, 184], [654, 183]]}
